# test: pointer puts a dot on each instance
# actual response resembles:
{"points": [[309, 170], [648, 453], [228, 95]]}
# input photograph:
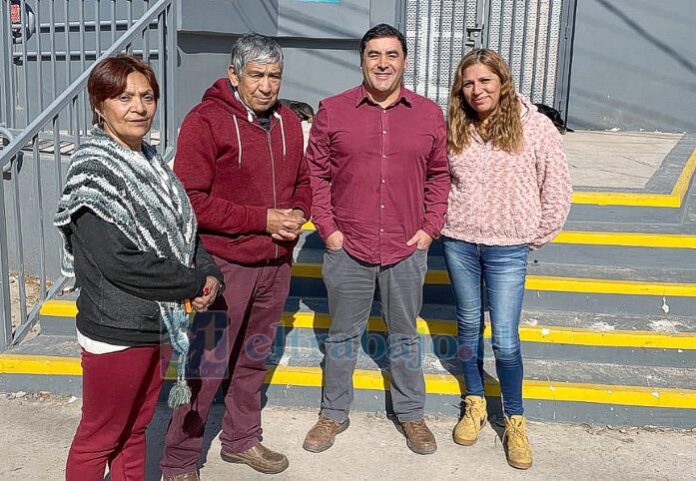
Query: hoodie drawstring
{"points": [[282, 130], [239, 137], [239, 141]]}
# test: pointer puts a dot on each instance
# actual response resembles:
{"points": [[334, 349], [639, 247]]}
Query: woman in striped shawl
{"points": [[130, 240]]}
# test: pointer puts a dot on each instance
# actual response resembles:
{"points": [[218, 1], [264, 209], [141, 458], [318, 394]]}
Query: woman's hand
{"points": [[210, 292]]}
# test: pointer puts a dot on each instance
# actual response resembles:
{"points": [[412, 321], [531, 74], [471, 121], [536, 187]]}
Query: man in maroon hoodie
{"points": [[239, 156]]}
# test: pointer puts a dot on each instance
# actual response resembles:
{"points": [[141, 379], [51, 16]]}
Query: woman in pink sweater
{"points": [[510, 192]]}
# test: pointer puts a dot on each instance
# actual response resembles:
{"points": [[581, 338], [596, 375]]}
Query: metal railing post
{"points": [[5, 305], [171, 101], [7, 66]]}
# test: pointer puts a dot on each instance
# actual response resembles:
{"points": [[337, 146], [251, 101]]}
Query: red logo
{"points": [[15, 13]]}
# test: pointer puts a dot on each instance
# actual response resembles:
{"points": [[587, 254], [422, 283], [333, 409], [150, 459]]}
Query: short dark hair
{"points": [[109, 78], [382, 31]]}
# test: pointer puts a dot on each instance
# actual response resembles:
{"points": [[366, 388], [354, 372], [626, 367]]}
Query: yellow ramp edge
{"points": [[445, 384], [437, 327]]}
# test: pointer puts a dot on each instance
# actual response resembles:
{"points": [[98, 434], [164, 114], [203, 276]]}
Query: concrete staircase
{"points": [[608, 327]]}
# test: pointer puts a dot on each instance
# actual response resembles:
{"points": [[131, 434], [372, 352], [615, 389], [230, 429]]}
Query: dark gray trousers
{"points": [[350, 284]]}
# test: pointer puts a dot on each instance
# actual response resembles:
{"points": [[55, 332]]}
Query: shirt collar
{"points": [[405, 97]]}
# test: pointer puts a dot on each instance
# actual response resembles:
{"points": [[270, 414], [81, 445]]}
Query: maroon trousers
{"points": [[254, 299], [120, 392]]}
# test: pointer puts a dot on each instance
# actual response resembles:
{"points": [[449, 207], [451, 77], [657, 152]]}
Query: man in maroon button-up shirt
{"points": [[380, 180]]}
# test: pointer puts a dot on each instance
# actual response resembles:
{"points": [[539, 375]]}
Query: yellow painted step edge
{"points": [[627, 239], [541, 334], [621, 239], [638, 199], [672, 200], [435, 327], [555, 284], [435, 383], [541, 390]]}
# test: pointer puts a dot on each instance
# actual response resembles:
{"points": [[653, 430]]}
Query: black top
{"points": [[119, 283]]}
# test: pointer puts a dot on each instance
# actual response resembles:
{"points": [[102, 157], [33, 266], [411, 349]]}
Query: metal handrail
{"points": [[69, 108], [66, 97]]}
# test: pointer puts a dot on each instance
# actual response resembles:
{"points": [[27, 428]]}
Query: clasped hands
{"points": [[284, 224]]}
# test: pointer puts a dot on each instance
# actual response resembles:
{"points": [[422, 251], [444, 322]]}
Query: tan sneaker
{"points": [[419, 438], [467, 429], [517, 448], [322, 435]]}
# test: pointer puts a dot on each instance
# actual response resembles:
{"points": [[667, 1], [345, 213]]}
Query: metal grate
{"points": [[525, 32]]}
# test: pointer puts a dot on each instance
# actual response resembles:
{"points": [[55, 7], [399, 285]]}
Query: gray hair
{"points": [[254, 47]]}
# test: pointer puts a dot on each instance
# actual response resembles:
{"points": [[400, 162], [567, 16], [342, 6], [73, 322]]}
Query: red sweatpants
{"points": [[120, 392]]}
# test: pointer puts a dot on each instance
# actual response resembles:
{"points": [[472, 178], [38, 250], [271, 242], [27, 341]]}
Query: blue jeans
{"points": [[502, 270]]}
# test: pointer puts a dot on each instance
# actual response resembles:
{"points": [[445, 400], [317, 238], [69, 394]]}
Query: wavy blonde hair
{"points": [[503, 127]]}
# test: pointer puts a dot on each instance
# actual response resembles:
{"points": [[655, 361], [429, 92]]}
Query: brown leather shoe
{"points": [[183, 477], [259, 458], [322, 435], [419, 438]]}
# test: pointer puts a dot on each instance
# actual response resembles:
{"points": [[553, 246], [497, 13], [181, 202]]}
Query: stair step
{"points": [[555, 371], [535, 326], [640, 251], [308, 264], [539, 383], [549, 286], [293, 384], [577, 337]]}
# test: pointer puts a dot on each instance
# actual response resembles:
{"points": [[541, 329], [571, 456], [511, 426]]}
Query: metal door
{"points": [[534, 36]]}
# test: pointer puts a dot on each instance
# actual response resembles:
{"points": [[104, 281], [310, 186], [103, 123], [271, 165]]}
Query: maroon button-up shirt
{"points": [[378, 175]]}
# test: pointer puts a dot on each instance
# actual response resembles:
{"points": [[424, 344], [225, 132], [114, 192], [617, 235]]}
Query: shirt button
{"points": [[384, 156], [384, 132], [381, 230], [384, 181], [382, 206]]}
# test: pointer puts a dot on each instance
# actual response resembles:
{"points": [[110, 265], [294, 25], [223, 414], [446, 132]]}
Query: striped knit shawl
{"points": [[142, 197]]}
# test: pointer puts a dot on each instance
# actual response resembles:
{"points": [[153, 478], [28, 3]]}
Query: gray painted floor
{"points": [[37, 435], [616, 159]]}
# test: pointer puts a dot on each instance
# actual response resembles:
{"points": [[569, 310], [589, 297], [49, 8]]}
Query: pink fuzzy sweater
{"points": [[505, 199]]}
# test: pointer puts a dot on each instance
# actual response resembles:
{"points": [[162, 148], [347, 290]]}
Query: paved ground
{"points": [[609, 160], [36, 434]]}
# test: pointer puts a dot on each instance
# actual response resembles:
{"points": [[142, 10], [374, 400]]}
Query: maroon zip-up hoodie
{"points": [[234, 171]]}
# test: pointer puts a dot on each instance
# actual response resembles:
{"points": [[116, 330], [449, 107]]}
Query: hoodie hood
{"points": [[223, 94], [526, 108]]}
